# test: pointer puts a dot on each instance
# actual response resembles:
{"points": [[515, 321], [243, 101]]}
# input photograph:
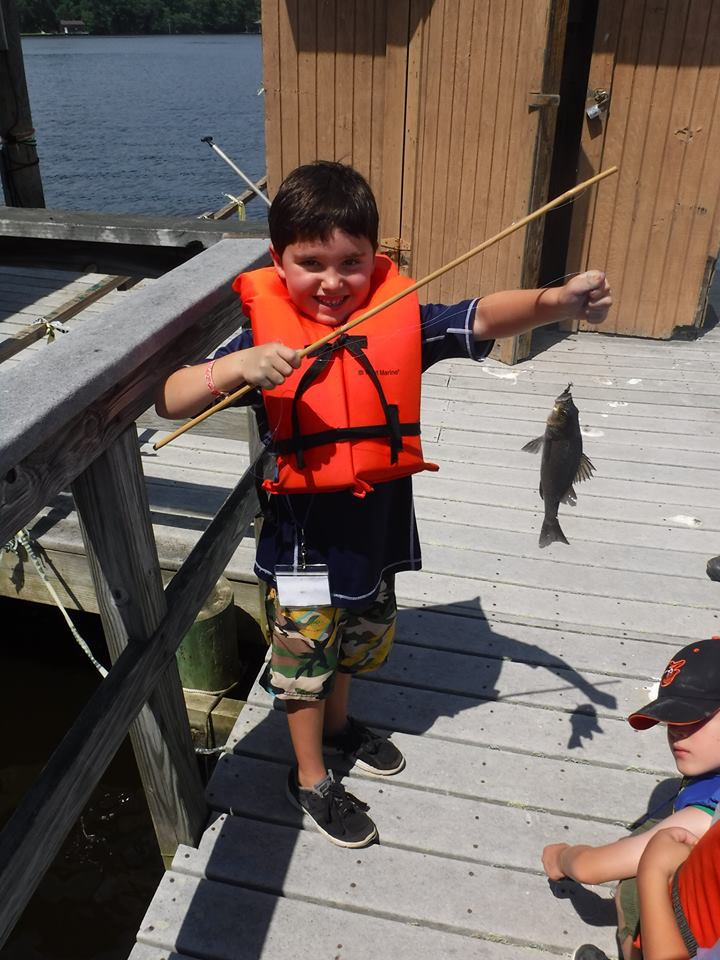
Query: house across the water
{"points": [[73, 27]]}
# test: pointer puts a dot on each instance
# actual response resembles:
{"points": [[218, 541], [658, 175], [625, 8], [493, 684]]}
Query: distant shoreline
{"points": [[111, 36]]}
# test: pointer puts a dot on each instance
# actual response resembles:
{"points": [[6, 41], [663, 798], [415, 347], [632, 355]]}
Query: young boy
{"points": [[345, 430], [688, 702]]}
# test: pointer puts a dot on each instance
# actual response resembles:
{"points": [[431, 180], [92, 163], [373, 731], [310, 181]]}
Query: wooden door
{"points": [[654, 227], [334, 73], [446, 106], [482, 79]]}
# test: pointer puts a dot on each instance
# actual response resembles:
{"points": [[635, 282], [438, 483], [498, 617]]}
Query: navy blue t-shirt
{"points": [[360, 540]]}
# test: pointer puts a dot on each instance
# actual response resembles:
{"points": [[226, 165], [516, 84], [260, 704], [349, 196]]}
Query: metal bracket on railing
{"points": [[51, 328]]}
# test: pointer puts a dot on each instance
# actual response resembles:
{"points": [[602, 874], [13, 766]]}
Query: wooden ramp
{"points": [[513, 671]]}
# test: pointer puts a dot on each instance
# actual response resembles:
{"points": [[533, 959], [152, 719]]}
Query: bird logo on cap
{"points": [[671, 671]]}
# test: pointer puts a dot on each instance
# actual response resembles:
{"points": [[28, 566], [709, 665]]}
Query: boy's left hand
{"points": [[587, 297]]}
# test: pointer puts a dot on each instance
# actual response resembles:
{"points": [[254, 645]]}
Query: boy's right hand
{"points": [[268, 365]]}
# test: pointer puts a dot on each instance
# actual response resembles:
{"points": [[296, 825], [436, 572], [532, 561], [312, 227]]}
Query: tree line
{"points": [[142, 16]]}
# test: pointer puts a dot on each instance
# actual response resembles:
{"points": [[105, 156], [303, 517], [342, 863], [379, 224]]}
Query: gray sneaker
{"points": [[713, 568], [369, 750], [337, 814], [589, 952]]}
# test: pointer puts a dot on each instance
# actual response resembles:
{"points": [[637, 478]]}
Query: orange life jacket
{"points": [[350, 415]]}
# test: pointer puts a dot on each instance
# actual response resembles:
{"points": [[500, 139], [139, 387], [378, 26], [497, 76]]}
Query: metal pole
{"points": [[238, 171]]}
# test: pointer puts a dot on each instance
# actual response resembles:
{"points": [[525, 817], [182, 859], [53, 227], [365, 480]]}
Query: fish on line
{"points": [[563, 463]]}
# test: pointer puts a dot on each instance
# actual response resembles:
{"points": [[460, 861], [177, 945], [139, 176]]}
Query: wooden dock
{"points": [[512, 674]]}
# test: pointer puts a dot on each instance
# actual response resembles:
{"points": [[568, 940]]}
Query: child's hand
{"points": [[666, 850], [268, 365], [587, 297], [551, 860]]}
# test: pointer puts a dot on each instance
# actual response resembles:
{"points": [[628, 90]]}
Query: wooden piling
{"points": [[115, 522], [20, 165]]}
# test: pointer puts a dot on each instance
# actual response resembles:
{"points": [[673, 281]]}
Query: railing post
{"points": [[115, 521]]}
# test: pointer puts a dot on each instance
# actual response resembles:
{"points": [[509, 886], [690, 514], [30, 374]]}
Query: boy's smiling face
{"points": [[327, 279], [696, 746]]}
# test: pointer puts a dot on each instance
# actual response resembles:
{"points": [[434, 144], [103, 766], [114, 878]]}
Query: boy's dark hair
{"points": [[316, 199]]}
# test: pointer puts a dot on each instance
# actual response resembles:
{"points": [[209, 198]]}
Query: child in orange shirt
{"points": [[688, 702], [679, 885]]}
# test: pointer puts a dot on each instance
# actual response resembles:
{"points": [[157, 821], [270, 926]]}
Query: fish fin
{"points": [[534, 446], [551, 533], [585, 469], [570, 498]]}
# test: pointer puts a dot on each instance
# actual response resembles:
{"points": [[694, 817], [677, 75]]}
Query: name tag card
{"points": [[306, 587]]}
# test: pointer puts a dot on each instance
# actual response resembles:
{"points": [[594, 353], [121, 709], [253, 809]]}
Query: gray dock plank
{"points": [[529, 779], [508, 724], [466, 829], [466, 898], [224, 922]]}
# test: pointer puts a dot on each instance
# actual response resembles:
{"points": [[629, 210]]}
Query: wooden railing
{"points": [[67, 418]]}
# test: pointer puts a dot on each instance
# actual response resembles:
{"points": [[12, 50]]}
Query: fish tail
{"points": [[551, 532]]}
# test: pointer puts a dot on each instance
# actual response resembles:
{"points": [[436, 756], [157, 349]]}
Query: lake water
{"points": [[119, 120]]}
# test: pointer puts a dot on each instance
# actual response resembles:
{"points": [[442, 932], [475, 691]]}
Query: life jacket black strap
{"points": [[323, 356], [309, 440]]}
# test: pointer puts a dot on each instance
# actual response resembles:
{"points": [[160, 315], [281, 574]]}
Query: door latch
{"points": [[537, 99]]}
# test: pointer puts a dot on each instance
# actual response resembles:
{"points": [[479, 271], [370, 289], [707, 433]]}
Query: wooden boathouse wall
{"points": [[656, 226], [79, 432], [449, 108]]}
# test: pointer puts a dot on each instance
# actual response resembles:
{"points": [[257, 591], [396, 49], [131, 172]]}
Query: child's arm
{"points": [[187, 391], [666, 850], [511, 312], [618, 860]]}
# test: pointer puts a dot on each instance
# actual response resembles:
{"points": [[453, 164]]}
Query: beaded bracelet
{"points": [[211, 383]]}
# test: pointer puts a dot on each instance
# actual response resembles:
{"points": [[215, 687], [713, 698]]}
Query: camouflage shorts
{"points": [[310, 645]]}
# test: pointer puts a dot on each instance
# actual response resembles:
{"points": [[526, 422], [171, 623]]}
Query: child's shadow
{"points": [[593, 909], [447, 659]]}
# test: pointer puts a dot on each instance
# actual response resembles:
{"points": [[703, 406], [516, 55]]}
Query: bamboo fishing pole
{"points": [[338, 331]]}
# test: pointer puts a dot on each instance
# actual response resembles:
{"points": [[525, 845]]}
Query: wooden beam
{"points": [[19, 160], [55, 432], [123, 228], [211, 716], [115, 522], [35, 832], [69, 573], [36, 331], [116, 244]]}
